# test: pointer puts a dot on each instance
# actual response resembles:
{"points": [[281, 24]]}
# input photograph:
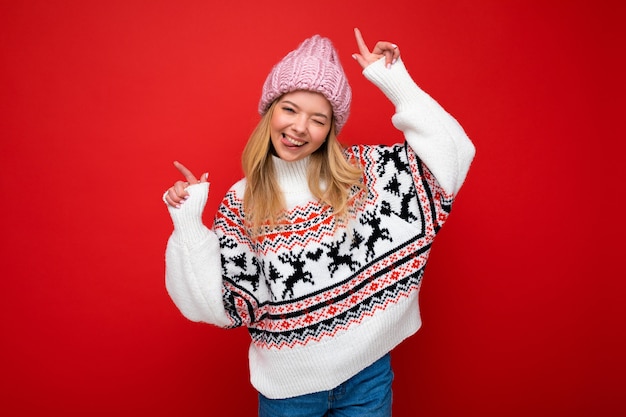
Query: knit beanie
{"points": [[313, 66]]}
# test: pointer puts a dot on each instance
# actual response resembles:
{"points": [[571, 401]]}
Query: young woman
{"points": [[320, 250]]}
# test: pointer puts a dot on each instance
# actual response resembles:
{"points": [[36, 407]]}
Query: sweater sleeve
{"points": [[435, 136], [192, 262]]}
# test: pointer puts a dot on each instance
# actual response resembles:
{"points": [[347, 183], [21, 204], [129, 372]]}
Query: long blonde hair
{"points": [[330, 176]]}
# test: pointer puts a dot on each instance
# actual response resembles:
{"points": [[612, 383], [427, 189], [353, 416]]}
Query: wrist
{"points": [[395, 82], [187, 218]]}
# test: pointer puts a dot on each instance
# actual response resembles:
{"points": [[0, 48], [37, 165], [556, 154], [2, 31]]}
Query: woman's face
{"points": [[300, 124]]}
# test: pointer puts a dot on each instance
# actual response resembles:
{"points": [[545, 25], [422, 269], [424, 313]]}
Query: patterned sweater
{"points": [[323, 299]]}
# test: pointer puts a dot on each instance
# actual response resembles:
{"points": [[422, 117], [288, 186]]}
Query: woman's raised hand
{"points": [[177, 194], [366, 57]]}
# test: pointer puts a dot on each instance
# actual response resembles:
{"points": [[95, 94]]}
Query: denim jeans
{"points": [[367, 394]]}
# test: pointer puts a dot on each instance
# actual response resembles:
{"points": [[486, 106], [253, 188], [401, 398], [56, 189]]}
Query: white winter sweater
{"points": [[321, 300]]}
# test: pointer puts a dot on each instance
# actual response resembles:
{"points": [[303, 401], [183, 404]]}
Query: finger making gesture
{"points": [[366, 57], [177, 194]]}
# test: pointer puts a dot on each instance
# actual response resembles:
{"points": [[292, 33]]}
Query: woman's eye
{"points": [[288, 109], [318, 122]]}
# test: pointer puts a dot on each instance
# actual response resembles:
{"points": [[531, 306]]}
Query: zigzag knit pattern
{"points": [[314, 278]]}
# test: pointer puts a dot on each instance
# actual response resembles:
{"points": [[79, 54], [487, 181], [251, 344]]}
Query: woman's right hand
{"points": [[177, 194]]}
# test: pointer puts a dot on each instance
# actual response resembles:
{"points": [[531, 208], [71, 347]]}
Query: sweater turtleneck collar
{"points": [[291, 176]]}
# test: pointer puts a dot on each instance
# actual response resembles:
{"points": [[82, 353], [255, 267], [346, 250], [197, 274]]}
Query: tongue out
{"points": [[291, 143]]}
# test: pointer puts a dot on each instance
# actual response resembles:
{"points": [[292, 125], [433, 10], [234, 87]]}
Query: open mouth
{"points": [[292, 141]]}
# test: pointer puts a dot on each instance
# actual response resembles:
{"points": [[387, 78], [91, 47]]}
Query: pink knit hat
{"points": [[313, 66]]}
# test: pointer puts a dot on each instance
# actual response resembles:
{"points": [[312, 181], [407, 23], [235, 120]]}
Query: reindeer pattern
{"points": [[289, 272]]}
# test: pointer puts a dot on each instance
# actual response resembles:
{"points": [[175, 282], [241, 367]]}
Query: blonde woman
{"points": [[320, 250]]}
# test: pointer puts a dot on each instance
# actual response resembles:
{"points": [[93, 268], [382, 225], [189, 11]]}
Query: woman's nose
{"points": [[299, 123]]}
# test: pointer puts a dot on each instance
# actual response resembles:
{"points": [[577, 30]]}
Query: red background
{"points": [[523, 298]]}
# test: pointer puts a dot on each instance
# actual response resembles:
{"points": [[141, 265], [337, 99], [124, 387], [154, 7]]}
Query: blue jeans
{"points": [[367, 394]]}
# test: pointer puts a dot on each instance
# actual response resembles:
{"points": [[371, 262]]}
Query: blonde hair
{"points": [[330, 177]]}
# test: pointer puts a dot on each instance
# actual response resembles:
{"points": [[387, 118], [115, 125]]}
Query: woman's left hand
{"points": [[366, 57]]}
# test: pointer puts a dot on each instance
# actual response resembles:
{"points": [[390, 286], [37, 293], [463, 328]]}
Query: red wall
{"points": [[523, 299]]}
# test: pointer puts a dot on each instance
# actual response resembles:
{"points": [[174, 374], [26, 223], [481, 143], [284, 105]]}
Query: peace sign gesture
{"points": [[382, 49]]}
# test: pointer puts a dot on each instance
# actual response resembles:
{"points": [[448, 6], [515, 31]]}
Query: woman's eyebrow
{"points": [[291, 103]]}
